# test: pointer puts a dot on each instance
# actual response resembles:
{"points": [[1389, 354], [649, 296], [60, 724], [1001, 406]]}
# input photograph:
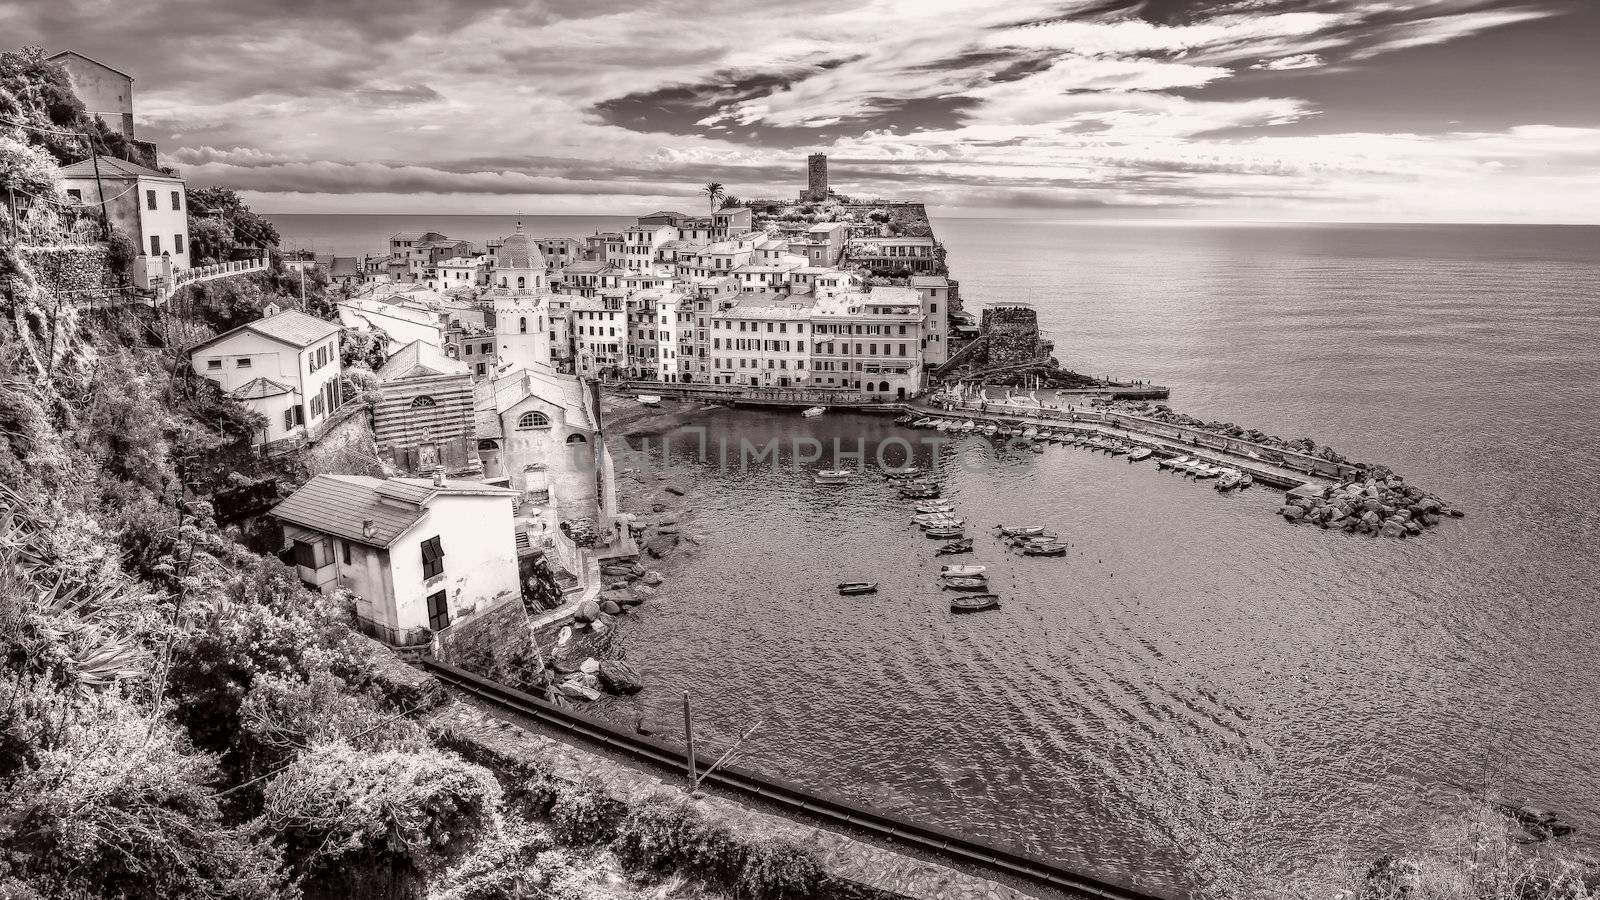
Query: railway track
{"points": [[828, 810]]}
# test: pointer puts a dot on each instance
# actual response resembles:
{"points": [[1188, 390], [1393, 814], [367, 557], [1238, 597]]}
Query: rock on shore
{"points": [[1387, 507]]}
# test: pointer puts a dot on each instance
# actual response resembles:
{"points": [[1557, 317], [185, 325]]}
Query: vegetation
{"points": [[714, 193], [222, 227]]}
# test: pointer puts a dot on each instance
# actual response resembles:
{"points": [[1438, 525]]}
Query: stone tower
{"points": [[816, 177]]}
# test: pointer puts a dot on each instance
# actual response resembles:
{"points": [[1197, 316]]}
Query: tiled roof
{"points": [[259, 389], [929, 281], [291, 327], [509, 388], [111, 167], [338, 505], [407, 236], [419, 359]]}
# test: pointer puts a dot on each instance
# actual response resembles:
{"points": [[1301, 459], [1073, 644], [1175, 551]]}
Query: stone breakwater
{"points": [[1368, 498], [1389, 507]]}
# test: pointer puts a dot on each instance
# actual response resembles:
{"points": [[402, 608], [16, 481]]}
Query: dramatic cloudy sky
{"points": [[1363, 110]]}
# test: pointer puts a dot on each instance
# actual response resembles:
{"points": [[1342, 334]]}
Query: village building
{"points": [[150, 206], [757, 342], [869, 342], [423, 420], [107, 93], [935, 293], [417, 553], [285, 367], [474, 347], [537, 436], [400, 323], [917, 255]]}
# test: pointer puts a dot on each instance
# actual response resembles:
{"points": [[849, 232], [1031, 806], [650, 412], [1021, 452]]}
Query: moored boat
{"points": [[944, 531], [650, 399], [934, 506], [1227, 481], [991, 429], [970, 603], [949, 571], [834, 476], [1207, 471], [848, 588], [965, 583], [1056, 549], [1019, 530], [919, 491], [962, 546], [1245, 480], [1140, 455], [906, 419], [814, 411]]}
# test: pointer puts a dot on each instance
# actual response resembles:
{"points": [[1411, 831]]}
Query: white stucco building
{"points": [[418, 553], [284, 366], [151, 207]]}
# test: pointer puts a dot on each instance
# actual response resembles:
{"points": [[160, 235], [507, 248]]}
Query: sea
{"points": [[1199, 696]]}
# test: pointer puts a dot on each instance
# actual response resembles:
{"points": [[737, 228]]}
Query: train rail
{"points": [[828, 810]]}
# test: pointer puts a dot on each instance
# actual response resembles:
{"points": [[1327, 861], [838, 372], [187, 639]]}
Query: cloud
{"points": [[1287, 63], [1077, 104]]}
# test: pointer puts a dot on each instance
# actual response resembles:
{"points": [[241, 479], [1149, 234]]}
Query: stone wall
{"points": [[1013, 336], [78, 272], [496, 633]]}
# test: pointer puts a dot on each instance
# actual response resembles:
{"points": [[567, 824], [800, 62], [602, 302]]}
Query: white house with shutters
{"points": [[417, 553], [284, 366]]}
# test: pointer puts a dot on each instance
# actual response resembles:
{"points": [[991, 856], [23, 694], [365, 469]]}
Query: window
{"points": [[345, 545], [242, 362], [150, 199], [469, 349], [432, 558], [213, 364], [75, 194], [438, 611], [576, 438], [177, 201], [289, 417], [155, 244], [422, 402], [481, 368], [533, 420], [177, 243], [522, 324]]}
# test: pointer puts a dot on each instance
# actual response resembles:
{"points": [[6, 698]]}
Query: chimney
{"points": [[368, 528], [438, 477]]}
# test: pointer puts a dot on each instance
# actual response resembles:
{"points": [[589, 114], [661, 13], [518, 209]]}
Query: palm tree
{"points": [[714, 193]]}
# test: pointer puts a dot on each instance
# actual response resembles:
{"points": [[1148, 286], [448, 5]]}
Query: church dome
{"points": [[520, 252]]}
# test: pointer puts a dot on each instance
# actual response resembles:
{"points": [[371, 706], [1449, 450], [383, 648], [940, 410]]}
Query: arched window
{"points": [[522, 324], [533, 420], [422, 402], [883, 386], [521, 282], [576, 438]]}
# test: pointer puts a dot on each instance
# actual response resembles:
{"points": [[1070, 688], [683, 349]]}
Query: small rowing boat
{"points": [[1045, 550], [1140, 455], [906, 419], [944, 531], [949, 571], [814, 411], [972, 603], [1020, 530], [966, 583], [1228, 481], [650, 399], [962, 546], [834, 476], [934, 506], [848, 588]]}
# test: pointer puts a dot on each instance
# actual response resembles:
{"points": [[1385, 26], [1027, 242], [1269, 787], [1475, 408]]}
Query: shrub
{"points": [[583, 815], [779, 870], [658, 835]]}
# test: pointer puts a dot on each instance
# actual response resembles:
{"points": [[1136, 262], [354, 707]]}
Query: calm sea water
{"points": [[1197, 691]]}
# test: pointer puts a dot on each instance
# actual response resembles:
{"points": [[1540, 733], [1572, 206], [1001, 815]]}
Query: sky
{"points": [[1262, 110]]}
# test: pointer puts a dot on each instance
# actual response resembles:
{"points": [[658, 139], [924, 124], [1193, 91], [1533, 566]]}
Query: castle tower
{"points": [[816, 177]]}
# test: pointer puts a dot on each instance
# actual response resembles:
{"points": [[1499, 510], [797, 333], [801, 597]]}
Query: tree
{"points": [[731, 202], [714, 193], [235, 229]]}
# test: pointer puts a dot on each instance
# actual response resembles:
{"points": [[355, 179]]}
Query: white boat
{"points": [[650, 399], [933, 524], [1207, 471], [834, 476], [962, 571], [1177, 462], [814, 411], [934, 506]]}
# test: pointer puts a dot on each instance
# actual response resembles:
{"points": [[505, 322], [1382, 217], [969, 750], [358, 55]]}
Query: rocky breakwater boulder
{"points": [[1386, 506]]}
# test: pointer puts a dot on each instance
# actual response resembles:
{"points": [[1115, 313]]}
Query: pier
{"points": [[802, 397]]}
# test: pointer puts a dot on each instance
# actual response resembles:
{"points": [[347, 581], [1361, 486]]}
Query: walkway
{"points": [[1234, 454], [184, 277]]}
